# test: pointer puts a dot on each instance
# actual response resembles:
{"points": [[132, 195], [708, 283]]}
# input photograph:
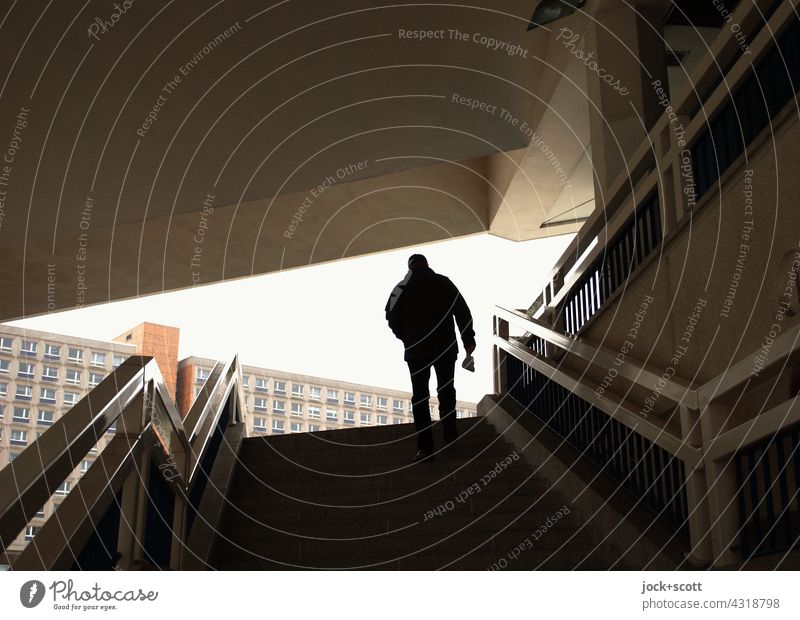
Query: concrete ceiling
{"points": [[298, 133]]}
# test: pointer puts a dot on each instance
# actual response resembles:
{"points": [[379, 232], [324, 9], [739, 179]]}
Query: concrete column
{"points": [[701, 552], [627, 55], [499, 358], [721, 482]]}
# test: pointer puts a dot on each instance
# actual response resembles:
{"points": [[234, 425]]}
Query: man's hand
{"points": [[469, 348]]}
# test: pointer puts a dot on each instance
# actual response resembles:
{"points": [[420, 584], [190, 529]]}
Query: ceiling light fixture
{"points": [[551, 10]]}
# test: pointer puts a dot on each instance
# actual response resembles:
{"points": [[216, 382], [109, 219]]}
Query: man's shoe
{"points": [[424, 456]]}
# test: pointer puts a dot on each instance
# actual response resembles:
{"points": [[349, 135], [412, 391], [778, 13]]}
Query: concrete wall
{"points": [[699, 265]]}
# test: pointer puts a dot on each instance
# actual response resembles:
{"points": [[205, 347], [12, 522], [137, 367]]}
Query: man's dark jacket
{"points": [[422, 317]]}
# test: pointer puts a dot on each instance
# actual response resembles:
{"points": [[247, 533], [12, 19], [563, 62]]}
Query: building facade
{"points": [[278, 402], [42, 375]]}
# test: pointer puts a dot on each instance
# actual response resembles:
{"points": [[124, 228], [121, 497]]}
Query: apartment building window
{"points": [[366, 400], [64, 488], [350, 398], [297, 389], [349, 417], [85, 465], [112, 429], [246, 381], [95, 378], [260, 424], [24, 392], [52, 351], [117, 361], [202, 374], [297, 409], [46, 418], [31, 531], [397, 421], [73, 377], [397, 405], [260, 404], [313, 412], [333, 396], [382, 420], [313, 428], [28, 348], [365, 418], [280, 387], [261, 384], [278, 406], [71, 398], [277, 426], [18, 438], [47, 395], [75, 355], [50, 373], [297, 427], [22, 414], [3, 389], [383, 403], [39, 514], [316, 393], [5, 345], [4, 364], [25, 370], [332, 415], [98, 359]]}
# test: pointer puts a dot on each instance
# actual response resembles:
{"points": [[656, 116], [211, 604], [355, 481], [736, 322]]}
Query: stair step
{"points": [[267, 499], [370, 435], [352, 499], [456, 471], [474, 536], [400, 452]]}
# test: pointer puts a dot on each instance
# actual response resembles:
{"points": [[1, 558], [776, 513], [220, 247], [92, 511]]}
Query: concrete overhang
{"points": [[171, 145]]}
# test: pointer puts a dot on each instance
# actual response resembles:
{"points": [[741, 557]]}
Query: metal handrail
{"points": [[642, 173], [705, 447], [612, 407], [131, 397], [677, 390]]}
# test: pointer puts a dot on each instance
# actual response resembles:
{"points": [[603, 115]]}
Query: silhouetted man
{"points": [[420, 312]]}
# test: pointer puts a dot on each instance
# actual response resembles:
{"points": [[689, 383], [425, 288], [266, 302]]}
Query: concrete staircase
{"points": [[352, 499]]}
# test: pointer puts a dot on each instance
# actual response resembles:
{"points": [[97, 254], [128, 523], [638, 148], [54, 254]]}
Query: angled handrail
{"points": [[677, 390], [27, 482], [612, 407], [135, 398], [707, 450]]}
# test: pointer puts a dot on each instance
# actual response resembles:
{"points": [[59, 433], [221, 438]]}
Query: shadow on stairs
{"points": [[351, 499]]}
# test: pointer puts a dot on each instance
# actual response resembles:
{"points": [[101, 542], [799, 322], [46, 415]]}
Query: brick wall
{"points": [[160, 342], [186, 375]]}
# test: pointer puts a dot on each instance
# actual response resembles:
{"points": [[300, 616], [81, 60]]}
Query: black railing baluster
{"points": [[743, 517], [783, 487], [643, 469], [769, 486], [755, 517]]}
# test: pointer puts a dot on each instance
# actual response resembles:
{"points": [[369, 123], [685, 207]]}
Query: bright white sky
{"points": [[328, 320]]}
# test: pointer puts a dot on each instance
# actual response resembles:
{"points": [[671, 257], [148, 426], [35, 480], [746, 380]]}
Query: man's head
{"points": [[417, 260]]}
